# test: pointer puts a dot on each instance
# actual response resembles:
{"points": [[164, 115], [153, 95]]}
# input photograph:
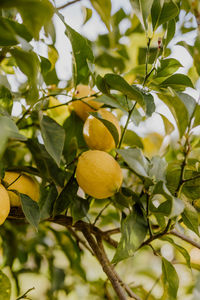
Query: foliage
{"points": [[56, 238]]}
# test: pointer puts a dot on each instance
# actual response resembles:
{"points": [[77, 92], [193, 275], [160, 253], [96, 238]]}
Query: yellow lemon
{"points": [[24, 184], [60, 113], [81, 108], [98, 174], [4, 204], [95, 133], [152, 143]]}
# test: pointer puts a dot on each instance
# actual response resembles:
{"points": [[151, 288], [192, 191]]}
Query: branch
{"points": [[68, 4], [124, 285], [184, 238], [104, 263], [80, 240]]}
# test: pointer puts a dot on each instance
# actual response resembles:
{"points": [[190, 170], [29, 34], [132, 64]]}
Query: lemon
{"points": [[4, 204], [98, 174], [80, 108], [24, 184], [152, 143], [95, 133], [60, 113]]}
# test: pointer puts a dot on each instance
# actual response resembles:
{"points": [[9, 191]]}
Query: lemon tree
{"points": [[99, 149]]}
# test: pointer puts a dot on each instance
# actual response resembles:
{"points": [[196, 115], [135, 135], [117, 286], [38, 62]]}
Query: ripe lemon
{"points": [[24, 184], [60, 113], [152, 143], [98, 174], [4, 204], [80, 108], [95, 133]]}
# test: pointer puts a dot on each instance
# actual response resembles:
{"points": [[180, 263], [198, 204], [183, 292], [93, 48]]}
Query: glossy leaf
{"points": [[116, 82], [10, 30], [177, 81], [135, 160], [134, 230], [66, 197], [54, 137], [29, 64], [109, 125], [35, 13], [48, 197], [190, 218], [142, 9], [103, 8], [162, 14], [170, 279], [31, 210], [81, 59], [178, 110]]}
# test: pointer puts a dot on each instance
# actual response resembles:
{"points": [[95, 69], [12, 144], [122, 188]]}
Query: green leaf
{"points": [[45, 164], [79, 208], [29, 64], [116, 82], [190, 218], [142, 9], [87, 14], [157, 169], [170, 279], [73, 127], [182, 250], [178, 110], [169, 127], [103, 8], [5, 287], [10, 32], [168, 67], [189, 103], [6, 99], [171, 28], [135, 160], [197, 116], [132, 139], [8, 131], [161, 15], [109, 125], [48, 197], [149, 104], [166, 203], [31, 210], [81, 59], [35, 13], [54, 137], [66, 197], [177, 81], [133, 233]]}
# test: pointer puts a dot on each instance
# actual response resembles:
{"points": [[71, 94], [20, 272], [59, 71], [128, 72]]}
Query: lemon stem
{"points": [[126, 125]]}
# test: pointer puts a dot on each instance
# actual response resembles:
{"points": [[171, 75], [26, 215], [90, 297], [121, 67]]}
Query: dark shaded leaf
{"points": [[31, 210], [54, 136]]}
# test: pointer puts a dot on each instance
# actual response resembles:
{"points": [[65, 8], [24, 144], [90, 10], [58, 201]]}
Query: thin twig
{"points": [[24, 296], [100, 213], [68, 4], [184, 238]]}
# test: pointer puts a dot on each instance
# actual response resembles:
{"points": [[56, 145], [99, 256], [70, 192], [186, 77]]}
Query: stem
{"points": [[25, 294], [126, 125], [100, 213], [184, 238], [147, 61], [68, 3]]}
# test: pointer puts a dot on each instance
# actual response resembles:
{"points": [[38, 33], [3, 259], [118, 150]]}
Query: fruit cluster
{"points": [[98, 173], [12, 185]]}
